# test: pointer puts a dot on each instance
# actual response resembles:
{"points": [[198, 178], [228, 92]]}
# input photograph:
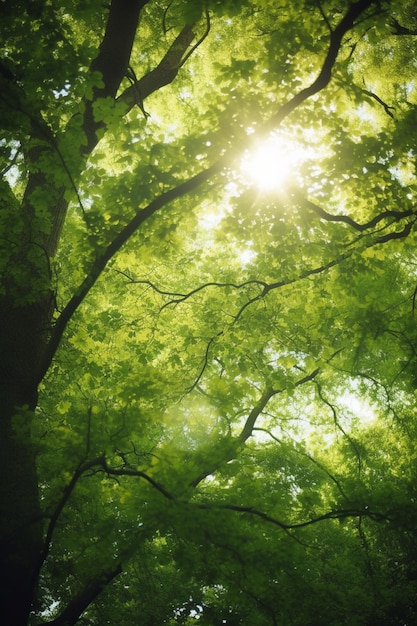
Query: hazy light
{"points": [[275, 162], [247, 256]]}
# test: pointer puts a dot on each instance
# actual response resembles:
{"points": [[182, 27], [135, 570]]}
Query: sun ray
{"points": [[274, 164]]}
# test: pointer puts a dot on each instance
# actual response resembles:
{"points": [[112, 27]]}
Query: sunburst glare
{"points": [[275, 163]]}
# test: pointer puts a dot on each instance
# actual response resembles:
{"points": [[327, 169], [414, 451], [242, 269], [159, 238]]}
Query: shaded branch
{"points": [[101, 262], [205, 363], [163, 74], [310, 458], [83, 467], [413, 301], [324, 16], [355, 10], [181, 297], [339, 426], [346, 219], [398, 234], [116, 46], [388, 109], [127, 471], [337, 514], [85, 597], [398, 29], [95, 586], [10, 164], [112, 60], [265, 607], [200, 40], [53, 519]]}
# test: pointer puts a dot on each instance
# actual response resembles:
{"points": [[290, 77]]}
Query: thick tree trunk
{"points": [[20, 521], [20, 524]]}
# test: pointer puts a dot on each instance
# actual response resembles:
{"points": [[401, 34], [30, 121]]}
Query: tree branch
{"points": [[205, 362], [249, 427], [94, 587], [116, 47], [163, 74], [355, 11], [53, 519], [289, 281], [397, 29], [246, 432], [339, 426], [85, 597], [128, 471], [388, 109], [310, 458], [337, 514], [101, 262], [401, 234], [181, 297], [113, 58], [346, 219], [84, 466]]}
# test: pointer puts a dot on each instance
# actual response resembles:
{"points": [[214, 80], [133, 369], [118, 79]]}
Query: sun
{"points": [[273, 164]]}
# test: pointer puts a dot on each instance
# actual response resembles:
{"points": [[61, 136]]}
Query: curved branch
{"points": [[84, 466], [163, 74], [127, 471], [329, 217], [101, 262], [354, 12], [337, 514], [205, 362], [342, 257], [310, 458], [181, 297], [113, 57], [289, 281], [53, 519], [339, 426], [199, 42], [401, 234], [80, 602], [191, 293], [388, 109]]}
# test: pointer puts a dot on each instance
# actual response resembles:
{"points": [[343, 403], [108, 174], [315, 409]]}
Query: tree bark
{"points": [[20, 520]]}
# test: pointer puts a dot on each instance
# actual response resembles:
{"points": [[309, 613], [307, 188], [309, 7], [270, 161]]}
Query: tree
{"points": [[207, 380]]}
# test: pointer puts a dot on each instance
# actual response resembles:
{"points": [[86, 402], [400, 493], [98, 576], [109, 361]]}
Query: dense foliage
{"points": [[208, 345]]}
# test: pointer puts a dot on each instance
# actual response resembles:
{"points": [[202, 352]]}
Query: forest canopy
{"points": [[208, 340]]}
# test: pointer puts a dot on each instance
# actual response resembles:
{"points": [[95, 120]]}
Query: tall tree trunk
{"points": [[21, 338]]}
